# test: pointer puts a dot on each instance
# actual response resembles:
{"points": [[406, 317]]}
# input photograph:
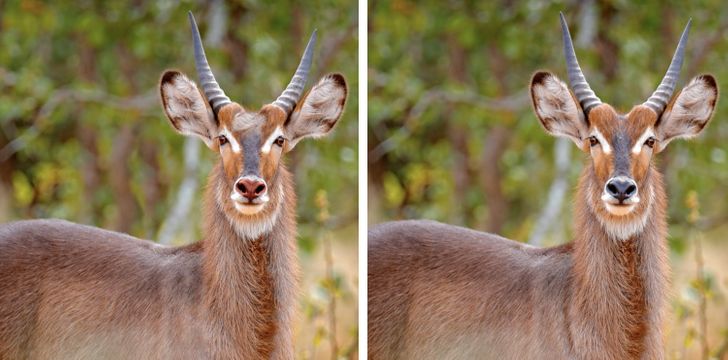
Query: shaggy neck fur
{"points": [[618, 284], [252, 300]]}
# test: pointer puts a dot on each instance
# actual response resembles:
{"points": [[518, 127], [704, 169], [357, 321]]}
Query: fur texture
{"points": [[438, 291], [77, 292]]}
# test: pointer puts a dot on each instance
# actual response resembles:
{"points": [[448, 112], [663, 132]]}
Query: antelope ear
{"points": [[186, 108], [689, 112], [556, 108], [317, 113]]}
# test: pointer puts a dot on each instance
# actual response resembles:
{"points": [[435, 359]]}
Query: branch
{"points": [[66, 95], [510, 103], [550, 212], [179, 213]]}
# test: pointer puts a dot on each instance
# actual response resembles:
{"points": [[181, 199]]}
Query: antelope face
{"points": [[621, 146], [251, 143]]}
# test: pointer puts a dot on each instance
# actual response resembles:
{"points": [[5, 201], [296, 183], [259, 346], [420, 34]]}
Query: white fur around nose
{"points": [[624, 230]]}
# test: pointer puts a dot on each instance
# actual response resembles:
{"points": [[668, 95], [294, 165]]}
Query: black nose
{"points": [[250, 187], [621, 188]]}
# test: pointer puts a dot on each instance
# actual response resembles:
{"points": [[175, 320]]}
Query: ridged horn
{"points": [[288, 99], [584, 94], [210, 87], [662, 95]]}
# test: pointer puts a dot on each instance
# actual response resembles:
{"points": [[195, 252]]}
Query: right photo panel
{"points": [[547, 180]]}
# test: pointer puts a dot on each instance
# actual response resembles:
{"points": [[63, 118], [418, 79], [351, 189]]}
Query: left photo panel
{"points": [[176, 180]]}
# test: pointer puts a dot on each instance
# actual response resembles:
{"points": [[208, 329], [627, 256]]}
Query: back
{"points": [[451, 280], [91, 289]]}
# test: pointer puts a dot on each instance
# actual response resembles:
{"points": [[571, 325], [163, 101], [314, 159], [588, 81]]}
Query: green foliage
{"points": [[443, 75], [83, 135], [452, 135]]}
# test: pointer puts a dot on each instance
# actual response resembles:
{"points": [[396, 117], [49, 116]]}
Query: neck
{"points": [[620, 272], [248, 270]]}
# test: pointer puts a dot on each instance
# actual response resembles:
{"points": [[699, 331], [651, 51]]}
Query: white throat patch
{"points": [[252, 229], [625, 230]]}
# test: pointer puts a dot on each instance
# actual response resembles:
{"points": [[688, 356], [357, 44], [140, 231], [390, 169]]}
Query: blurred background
{"points": [[83, 136], [452, 135]]}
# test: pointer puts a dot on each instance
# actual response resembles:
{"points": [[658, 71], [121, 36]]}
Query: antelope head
{"points": [[620, 185], [250, 143]]}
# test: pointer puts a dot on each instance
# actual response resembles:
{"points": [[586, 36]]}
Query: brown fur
{"points": [[71, 291], [438, 291]]}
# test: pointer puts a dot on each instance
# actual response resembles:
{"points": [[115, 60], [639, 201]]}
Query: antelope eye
{"points": [[222, 139], [593, 141], [650, 142], [280, 140]]}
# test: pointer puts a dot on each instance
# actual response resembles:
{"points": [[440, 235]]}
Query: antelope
{"points": [[71, 291], [438, 291]]}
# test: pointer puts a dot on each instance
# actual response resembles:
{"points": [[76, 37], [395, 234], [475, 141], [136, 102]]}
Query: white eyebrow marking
{"points": [[269, 142], [231, 139], [637, 148], [602, 140]]}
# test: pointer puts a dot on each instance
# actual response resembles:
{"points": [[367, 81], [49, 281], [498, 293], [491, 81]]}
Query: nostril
{"points": [[259, 189], [631, 189], [241, 187], [612, 189]]}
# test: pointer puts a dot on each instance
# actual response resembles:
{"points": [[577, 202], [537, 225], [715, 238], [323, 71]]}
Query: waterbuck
{"points": [[69, 291], [444, 292]]}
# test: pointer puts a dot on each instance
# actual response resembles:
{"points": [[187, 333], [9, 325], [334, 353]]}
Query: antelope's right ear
{"points": [[186, 108], [556, 108]]}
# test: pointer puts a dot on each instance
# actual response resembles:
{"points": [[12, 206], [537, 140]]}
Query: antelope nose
{"points": [[251, 187], [621, 188]]}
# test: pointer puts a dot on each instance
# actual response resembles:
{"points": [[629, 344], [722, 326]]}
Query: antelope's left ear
{"points": [[689, 112], [317, 113]]}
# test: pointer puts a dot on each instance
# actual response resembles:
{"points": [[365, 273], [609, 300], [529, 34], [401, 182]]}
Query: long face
{"points": [[621, 185], [251, 144], [621, 148], [621, 180]]}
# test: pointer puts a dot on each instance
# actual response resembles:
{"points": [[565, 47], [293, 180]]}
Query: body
{"points": [[466, 294], [438, 291], [190, 302], [70, 291]]}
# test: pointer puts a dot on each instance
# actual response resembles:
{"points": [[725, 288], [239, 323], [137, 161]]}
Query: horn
{"points": [[288, 99], [662, 95], [584, 94], [210, 87]]}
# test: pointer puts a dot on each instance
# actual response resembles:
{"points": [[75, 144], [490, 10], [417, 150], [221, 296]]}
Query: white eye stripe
{"points": [[234, 145], [271, 139], [637, 148], [602, 140]]}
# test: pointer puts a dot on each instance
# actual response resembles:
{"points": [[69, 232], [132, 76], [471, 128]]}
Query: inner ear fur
{"points": [[186, 108], [690, 111], [319, 110], [556, 108]]}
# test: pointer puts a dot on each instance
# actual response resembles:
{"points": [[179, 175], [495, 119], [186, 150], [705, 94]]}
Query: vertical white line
{"points": [[363, 179]]}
